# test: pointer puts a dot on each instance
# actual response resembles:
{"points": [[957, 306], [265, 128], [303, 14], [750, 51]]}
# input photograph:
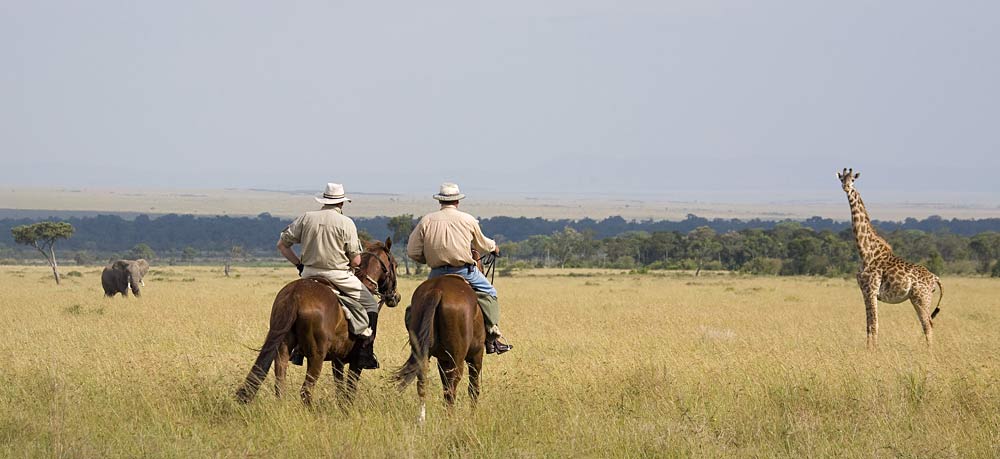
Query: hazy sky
{"points": [[560, 96]]}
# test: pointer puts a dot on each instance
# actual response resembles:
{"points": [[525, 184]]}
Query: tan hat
{"points": [[334, 194], [449, 192]]}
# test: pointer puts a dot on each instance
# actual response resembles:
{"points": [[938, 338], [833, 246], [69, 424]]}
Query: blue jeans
{"points": [[476, 279]]}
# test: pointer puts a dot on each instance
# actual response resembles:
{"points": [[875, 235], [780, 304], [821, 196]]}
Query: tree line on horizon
{"points": [[814, 246]]}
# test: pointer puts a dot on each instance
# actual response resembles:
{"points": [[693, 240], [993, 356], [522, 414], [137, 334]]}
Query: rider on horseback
{"points": [[443, 240], [330, 248]]}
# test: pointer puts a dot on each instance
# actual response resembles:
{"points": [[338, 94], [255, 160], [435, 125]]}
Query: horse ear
{"points": [[388, 242]]}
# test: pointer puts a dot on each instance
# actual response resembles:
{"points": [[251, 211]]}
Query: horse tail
{"points": [[283, 316], [937, 309], [421, 331]]}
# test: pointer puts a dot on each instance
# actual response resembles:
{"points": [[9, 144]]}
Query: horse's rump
{"points": [[445, 322], [307, 309]]}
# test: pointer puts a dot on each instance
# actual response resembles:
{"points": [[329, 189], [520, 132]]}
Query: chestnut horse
{"points": [[308, 314], [446, 323]]}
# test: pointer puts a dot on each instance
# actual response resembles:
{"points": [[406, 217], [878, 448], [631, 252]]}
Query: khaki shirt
{"points": [[446, 238], [329, 239]]}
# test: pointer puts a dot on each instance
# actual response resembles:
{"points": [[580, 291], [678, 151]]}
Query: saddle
{"points": [[344, 299]]}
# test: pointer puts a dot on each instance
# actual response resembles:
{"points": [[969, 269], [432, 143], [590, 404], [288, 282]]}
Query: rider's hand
{"points": [[300, 266], [496, 251]]}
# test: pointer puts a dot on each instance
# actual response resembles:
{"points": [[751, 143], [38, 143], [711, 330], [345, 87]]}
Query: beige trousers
{"points": [[352, 287]]}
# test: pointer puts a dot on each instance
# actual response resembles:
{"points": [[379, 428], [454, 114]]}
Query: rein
{"points": [[489, 261]]}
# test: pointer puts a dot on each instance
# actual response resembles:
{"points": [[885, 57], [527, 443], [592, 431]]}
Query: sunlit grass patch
{"points": [[606, 364]]}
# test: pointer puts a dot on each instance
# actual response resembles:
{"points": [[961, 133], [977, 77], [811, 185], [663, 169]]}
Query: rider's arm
{"points": [[290, 236], [288, 253], [415, 246], [352, 246], [480, 241]]}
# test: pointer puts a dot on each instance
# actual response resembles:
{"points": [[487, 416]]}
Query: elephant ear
{"points": [[142, 265], [120, 264]]}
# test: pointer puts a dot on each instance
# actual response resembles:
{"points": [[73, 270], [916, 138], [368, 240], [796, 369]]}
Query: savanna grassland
{"points": [[606, 364]]}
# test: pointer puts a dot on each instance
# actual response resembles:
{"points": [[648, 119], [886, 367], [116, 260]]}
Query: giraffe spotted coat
{"points": [[883, 276]]}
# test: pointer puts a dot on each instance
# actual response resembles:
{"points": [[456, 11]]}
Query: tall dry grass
{"points": [[605, 365]]}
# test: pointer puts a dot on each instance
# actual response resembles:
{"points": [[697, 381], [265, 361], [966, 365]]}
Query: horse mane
{"points": [[374, 245]]}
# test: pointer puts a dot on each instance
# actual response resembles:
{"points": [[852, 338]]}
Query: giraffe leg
{"points": [[869, 289], [922, 302], [871, 311]]}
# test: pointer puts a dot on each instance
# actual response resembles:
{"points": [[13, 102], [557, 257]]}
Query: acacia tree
{"points": [[401, 228], [142, 250], [567, 245], [235, 252], [43, 236], [986, 247], [703, 246]]}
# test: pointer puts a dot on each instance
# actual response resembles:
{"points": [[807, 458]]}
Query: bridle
{"points": [[384, 289]]}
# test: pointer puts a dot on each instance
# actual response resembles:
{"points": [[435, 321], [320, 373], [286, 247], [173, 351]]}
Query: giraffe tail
{"points": [[937, 309]]}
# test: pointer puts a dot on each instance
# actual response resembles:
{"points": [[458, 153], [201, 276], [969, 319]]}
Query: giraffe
{"points": [[884, 276]]}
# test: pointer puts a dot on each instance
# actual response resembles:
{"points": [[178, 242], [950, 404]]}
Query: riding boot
{"points": [[500, 347], [495, 346], [366, 359], [493, 343]]}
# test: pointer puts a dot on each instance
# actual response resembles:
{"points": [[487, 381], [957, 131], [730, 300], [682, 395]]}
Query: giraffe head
{"points": [[847, 178]]}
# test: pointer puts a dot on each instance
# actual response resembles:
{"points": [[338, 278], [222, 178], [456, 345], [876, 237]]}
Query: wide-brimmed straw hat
{"points": [[449, 192], [334, 194]]}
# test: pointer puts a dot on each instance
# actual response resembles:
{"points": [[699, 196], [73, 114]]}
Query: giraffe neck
{"points": [[871, 246]]}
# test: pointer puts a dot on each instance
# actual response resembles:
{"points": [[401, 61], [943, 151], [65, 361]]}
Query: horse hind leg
{"points": [[314, 367], [344, 398], [422, 393], [352, 377], [451, 374], [281, 370], [475, 363], [338, 377], [449, 392]]}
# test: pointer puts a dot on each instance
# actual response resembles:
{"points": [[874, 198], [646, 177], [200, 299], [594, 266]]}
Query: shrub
{"points": [[936, 264], [84, 258], [762, 265]]}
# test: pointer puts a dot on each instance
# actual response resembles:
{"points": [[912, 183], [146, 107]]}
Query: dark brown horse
{"points": [[446, 323], [306, 313]]}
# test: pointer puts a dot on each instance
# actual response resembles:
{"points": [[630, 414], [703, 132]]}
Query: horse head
{"points": [[377, 272]]}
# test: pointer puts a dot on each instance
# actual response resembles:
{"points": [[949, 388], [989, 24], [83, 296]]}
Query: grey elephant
{"points": [[124, 275]]}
